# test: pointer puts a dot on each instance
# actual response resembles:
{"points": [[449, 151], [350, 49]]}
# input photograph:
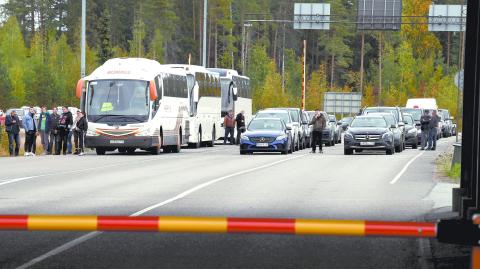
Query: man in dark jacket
{"points": [[319, 123], [44, 130], [425, 121], [240, 120], [12, 126], [52, 127], [79, 132], [64, 124], [433, 131]]}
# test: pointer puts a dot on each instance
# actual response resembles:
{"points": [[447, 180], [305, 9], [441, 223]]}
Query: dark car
{"points": [[447, 128], [395, 127], [266, 135], [396, 111], [369, 132], [412, 132], [346, 122]]}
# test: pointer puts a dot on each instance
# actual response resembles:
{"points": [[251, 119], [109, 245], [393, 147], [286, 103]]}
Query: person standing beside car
{"points": [[81, 127], [30, 126], [240, 120], [44, 130], [12, 126], [64, 124], [319, 123], [53, 134], [424, 122], [433, 131]]}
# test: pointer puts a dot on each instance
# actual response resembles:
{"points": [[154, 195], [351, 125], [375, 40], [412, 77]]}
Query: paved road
{"points": [[217, 182]]}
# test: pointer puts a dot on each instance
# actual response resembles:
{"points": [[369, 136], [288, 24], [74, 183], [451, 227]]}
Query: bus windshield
{"points": [[114, 98]]}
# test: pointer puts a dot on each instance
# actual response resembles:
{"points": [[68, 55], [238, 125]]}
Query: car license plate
{"points": [[367, 143], [117, 141], [262, 145]]}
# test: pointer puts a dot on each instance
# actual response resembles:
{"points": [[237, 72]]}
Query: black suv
{"points": [[369, 132]]}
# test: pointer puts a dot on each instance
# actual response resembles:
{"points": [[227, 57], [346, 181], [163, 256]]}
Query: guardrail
{"points": [[446, 231]]}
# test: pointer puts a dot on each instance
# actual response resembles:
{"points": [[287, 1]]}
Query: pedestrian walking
{"points": [[433, 131], [424, 122], [64, 125], [12, 126], [70, 133], [53, 128], [30, 125], [44, 129], [229, 125], [240, 120], [80, 129], [319, 122]]}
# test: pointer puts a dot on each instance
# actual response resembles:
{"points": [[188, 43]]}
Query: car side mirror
{"points": [[339, 123], [289, 128], [393, 126]]}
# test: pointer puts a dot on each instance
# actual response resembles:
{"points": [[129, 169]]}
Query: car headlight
{"points": [[411, 131], [386, 136], [281, 137], [348, 136], [244, 137]]}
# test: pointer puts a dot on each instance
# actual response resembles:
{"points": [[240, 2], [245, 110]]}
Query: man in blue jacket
{"points": [[12, 126], [30, 126]]}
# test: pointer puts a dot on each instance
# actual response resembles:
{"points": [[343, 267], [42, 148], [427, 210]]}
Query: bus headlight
{"points": [[91, 132]]}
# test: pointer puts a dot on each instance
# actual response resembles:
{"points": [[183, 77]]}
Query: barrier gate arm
{"points": [[446, 231]]}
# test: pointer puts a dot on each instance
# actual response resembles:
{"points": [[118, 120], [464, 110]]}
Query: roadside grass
{"points": [[444, 165], [4, 144]]}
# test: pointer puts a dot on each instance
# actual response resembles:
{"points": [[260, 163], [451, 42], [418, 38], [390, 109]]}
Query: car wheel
{"points": [[100, 151], [347, 151], [243, 152], [390, 151], [122, 150], [398, 148], [415, 145], [131, 151]]}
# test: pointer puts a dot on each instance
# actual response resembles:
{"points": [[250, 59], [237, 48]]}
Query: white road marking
{"points": [[91, 235], [399, 175]]}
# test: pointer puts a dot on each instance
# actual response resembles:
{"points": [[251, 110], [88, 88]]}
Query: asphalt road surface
{"points": [[218, 182]]}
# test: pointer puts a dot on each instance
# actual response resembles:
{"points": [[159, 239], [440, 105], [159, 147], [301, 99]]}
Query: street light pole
{"points": [[82, 45], [205, 13]]}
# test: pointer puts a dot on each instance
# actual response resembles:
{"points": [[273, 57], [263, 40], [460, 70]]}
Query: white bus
{"points": [[134, 103], [205, 111], [236, 93]]}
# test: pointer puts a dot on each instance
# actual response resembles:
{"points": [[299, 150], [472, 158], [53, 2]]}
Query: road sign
{"points": [[342, 102], [459, 79], [447, 18], [379, 14], [311, 16]]}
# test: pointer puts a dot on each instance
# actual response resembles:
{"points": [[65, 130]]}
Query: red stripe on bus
{"points": [[127, 223], [14, 222], [249, 225], [402, 229]]}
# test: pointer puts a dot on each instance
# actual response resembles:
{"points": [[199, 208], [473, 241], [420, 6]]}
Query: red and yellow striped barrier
{"points": [[218, 225]]}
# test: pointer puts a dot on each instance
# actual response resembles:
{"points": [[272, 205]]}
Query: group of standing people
{"points": [[429, 127], [55, 130], [229, 123]]}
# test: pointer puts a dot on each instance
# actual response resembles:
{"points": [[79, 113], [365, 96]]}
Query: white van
{"points": [[423, 103]]}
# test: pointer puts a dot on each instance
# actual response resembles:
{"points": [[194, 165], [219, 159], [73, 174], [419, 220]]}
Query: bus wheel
{"points": [[100, 151], [197, 144], [212, 143], [176, 148]]}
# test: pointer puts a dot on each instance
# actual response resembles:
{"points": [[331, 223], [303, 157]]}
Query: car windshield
{"points": [[294, 115], [383, 110], [278, 115], [369, 122], [390, 119], [416, 113], [347, 120], [409, 120], [265, 124]]}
